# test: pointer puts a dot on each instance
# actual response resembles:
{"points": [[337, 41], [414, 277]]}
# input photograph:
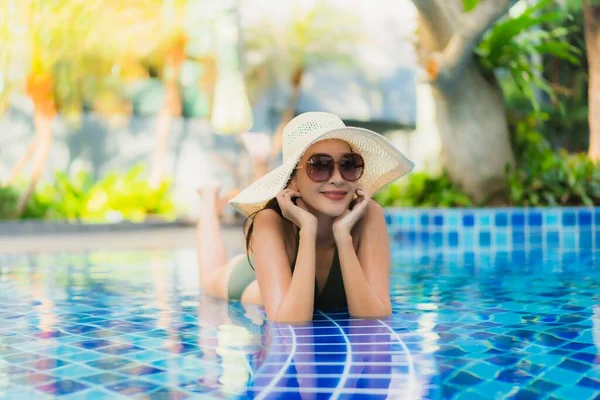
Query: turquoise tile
{"points": [[495, 389], [500, 238], [84, 356], [561, 376], [59, 351], [93, 394], [20, 393], [575, 392], [148, 355], [569, 240], [74, 371], [484, 369], [470, 346], [468, 238], [470, 394], [484, 220], [551, 217], [452, 219]]}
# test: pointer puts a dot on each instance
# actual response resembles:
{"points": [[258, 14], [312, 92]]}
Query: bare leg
{"points": [[210, 245]]}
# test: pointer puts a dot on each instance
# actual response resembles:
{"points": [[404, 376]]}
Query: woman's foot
{"points": [[258, 145], [209, 193]]}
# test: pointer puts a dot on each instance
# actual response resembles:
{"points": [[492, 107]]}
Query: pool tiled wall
{"points": [[497, 229]]}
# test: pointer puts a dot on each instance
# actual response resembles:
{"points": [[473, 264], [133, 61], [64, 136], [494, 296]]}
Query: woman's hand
{"points": [[299, 213], [345, 222]]}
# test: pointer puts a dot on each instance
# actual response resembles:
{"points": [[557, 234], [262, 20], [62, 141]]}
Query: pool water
{"points": [[103, 325]]}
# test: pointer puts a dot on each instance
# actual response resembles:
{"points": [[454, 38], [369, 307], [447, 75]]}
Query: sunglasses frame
{"points": [[335, 163]]}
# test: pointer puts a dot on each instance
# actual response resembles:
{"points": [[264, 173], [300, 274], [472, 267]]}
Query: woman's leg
{"points": [[210, 246]]}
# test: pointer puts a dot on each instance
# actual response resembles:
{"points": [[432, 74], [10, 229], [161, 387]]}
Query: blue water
{"points": [[117, 325]]}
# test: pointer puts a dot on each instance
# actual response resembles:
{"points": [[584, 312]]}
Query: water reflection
{"points": [[342, 357]]}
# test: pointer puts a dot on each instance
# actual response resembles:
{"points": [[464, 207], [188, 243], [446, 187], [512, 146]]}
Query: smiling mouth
{"points": [[334, 195]]}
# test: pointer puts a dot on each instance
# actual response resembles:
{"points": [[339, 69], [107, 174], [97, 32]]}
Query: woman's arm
{"points": [[366, 275], [286, 297]]}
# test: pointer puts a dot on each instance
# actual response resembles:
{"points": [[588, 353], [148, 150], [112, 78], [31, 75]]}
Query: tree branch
{"points": [[446, 67]]}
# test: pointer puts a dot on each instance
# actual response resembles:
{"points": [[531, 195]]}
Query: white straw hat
{"points": [[384, 163]]}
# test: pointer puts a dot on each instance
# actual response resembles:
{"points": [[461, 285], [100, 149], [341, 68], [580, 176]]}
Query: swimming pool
{"points": [[477, 325]]}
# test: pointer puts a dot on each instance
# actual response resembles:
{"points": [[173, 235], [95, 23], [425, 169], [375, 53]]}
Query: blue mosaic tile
{"points": [[453, 239], [438, 239], [130, 388], [501, 238], [468, 220], [585, 239], [452, 219], [469, 238], [584, 218], [503, 319], [501, 219], [553, 239], [484, 219], [62, 387], [535, 218], [569, 218], [517, 219], [485, 239], [576, 392], [569, 242]]}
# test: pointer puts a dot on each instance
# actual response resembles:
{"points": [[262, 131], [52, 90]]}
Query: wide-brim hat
{"points": [[384, 163]]}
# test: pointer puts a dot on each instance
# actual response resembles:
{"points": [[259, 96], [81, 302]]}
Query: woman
{"points": [[314, 237]]}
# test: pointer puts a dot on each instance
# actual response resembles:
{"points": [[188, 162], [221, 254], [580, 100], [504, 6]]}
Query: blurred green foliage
{"points": [[545, 177], [513, 42], [8, 202], [422, 189], [78, 197]]}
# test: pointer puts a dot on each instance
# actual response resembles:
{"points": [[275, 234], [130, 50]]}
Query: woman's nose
{"points": [[336, 177]]}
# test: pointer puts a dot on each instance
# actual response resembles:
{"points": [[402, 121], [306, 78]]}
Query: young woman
{"points": [[314, 237]]}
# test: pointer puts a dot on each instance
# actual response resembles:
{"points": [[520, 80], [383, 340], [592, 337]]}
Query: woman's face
{"points": [[333, 196]]}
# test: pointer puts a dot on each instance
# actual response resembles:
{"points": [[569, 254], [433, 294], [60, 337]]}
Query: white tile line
{"points": [[347, 364], [281, 372], [411, 362]]}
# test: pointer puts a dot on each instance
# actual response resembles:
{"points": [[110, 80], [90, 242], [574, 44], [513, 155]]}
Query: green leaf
{"points": [[469, 5]]}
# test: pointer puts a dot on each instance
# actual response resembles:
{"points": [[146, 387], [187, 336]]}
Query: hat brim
{"points": [[384, 163]]}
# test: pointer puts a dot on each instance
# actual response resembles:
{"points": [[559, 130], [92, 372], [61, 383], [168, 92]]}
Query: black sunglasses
{"points": [[320, 167]]}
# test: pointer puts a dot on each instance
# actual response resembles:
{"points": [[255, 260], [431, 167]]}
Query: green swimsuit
{"points": [[333, 295]]}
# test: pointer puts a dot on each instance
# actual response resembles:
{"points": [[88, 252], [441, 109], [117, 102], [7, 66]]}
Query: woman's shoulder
{"points": [[372, 217], [268, 217]]}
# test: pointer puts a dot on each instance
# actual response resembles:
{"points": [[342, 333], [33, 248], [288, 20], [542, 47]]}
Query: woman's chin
{"points": [[334, 211]]}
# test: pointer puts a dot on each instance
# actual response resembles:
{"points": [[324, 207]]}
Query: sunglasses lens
{"points": [[352, 167], [320, 167]]}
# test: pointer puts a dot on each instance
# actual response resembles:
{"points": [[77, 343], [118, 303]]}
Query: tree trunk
{"points": [[170, 109], [591, 13], [20, 165], [468, 106], [43, 127], [474, 134], [289, 112], [40, 88]]}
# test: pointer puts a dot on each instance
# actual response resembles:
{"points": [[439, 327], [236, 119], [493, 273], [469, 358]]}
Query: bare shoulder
{"points": [[374, 213], [373, 218], [270, 227], [268, 219], [374, 208]]}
